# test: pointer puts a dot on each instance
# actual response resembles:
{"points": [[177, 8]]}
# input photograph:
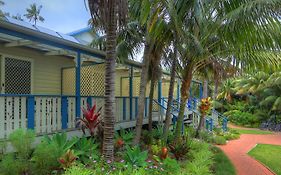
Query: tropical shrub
{"points": [[242, 118], [134, 156], [18, 162], [219, 140], [171, 166], [22, 141], [86, 150], [45, 158], [180, 148], [123, 137], [78, 169], [90, 119], [61, 142], [200, 159]]}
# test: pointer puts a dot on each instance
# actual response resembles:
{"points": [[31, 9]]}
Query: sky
{"points": [[60, 15]]}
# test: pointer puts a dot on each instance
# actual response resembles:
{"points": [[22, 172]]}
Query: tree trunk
{"points": [[186, 82], [170, 98], [200, 126], [151, 95], [143, 83], [109, 105], [216, 88], [205, 88]]}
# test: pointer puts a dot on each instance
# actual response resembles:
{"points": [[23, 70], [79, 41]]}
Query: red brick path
{"points": [[237, 151]]}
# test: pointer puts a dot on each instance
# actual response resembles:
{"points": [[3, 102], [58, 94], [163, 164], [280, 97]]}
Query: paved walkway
{"points": [[237, 151]]}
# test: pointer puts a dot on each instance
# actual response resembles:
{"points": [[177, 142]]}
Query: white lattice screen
{"points": [[17, 76]]}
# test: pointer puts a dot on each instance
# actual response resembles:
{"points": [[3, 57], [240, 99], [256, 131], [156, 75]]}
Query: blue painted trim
{"points": [[190, 90], [89, 101], [64, 114], [131, 91], [48, 42], [77, 85], [178, 89], [145, 107], [30, 112], [136, 107], [200, 91], [124, 108], [160, 95]]}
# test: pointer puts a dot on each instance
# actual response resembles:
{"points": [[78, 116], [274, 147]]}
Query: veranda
{"points": [[51, 101]]}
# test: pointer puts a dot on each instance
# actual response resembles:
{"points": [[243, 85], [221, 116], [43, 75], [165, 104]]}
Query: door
{"points": [[16, 76]]}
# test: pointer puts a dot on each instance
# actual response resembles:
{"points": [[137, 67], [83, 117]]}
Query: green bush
{"points": [[219, 140], [78, 170], [18, 162], [45, 158], [86, 150], [200, 159], [22, 141], [171, 166], [12, 166], [242, 118], [134, 156]]}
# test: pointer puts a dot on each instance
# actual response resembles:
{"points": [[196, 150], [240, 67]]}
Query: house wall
{"points": [[46, 70]]}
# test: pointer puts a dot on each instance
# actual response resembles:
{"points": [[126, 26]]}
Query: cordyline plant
{"points": [[90, 119], [204, 107]]}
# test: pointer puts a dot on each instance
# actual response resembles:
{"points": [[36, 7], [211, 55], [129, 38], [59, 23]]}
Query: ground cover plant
{"points": [[83, 155], [222, 165], [252, 131], [268, 155]]}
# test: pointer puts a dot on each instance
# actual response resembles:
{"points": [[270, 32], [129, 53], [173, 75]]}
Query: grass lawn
{"points": [[248, 131], [269, 155], [222, 165]]}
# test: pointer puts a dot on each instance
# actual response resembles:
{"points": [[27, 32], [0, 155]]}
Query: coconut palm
{"points": [[1, 12], [150, 16], [33, 13], [217, 29], [109, 14]]}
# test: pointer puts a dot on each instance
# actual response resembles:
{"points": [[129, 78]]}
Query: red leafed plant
{"points": [[90, 119]]}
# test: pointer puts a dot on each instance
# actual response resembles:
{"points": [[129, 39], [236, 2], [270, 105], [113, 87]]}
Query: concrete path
{"points": [[237, 151]]}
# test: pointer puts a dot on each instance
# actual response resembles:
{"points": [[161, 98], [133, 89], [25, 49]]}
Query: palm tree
{"points": [[155, 74], [148, 13], [109, 14], [33, 13], [2, 14], [217, 29]]}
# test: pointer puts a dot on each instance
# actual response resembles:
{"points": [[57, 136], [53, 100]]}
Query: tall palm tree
{"points": [[33, 13], [109, 14], [216, 30], [2, 13], [148, 14]]}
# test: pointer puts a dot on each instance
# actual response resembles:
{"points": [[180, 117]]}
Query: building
{"points": [[47, 77]]}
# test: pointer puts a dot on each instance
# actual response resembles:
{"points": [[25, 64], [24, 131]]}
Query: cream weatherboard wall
{"points": [[46, 70]]}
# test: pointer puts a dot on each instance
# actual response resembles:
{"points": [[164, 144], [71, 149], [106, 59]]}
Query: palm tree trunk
{"points": [[109, 105], [184, 96], [200, 126], [151, 95], [216, 88], [143, 83], [205, 88], [170, 98]]}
